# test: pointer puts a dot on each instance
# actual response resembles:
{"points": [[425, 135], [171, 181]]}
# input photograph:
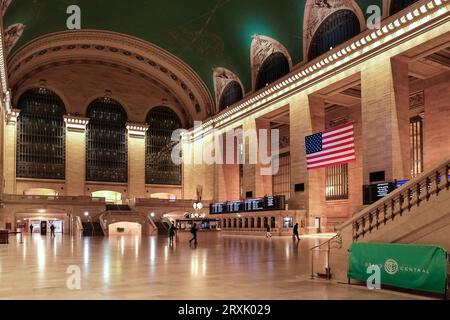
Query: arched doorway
{"points": [[125, 228], [111, 197]]}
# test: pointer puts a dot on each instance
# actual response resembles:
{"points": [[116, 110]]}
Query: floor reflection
{"points": [[134, 267]]}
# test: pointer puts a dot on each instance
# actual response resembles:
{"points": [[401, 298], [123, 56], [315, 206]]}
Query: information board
{"points": [[248, 205]]}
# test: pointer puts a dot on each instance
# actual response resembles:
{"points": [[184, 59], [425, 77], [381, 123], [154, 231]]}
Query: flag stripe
{"points": [[333, 161], [335, 143], [336, 131], [334, 134], [334, 146], [332, 157], [317, 156], [338, 137]]}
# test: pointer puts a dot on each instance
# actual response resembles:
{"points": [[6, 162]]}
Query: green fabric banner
{"points": [[418, 267]]}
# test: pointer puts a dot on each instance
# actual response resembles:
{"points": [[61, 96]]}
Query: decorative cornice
{"points": [[76, 123], [393, 30], [11, 117], [137, 130]]}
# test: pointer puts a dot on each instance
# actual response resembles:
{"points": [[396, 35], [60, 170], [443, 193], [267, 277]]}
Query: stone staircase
{"points": [[418, 212]]}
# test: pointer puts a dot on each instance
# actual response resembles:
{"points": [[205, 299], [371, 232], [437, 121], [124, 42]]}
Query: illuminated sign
{"points": [[249, 205]]}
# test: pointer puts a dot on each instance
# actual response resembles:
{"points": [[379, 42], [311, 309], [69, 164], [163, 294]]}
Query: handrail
{"points": [[404, 198], [13, 197], [327, 261]]}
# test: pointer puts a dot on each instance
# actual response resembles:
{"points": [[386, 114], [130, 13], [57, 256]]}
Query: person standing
{"points": [[172, 231], [295, 235], [52, 231], [31, 228], [268, 234], [194, 234]]}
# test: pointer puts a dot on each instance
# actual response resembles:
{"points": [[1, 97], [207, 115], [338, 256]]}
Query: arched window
{"points": [[399, 5], [106, 145], [274, 67], [159, 167], [334, 30], [231, 94], [41, 135]]}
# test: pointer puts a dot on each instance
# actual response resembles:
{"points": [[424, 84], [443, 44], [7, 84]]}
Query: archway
{"points": [[125, 228], [40, 192], [112, 197]]}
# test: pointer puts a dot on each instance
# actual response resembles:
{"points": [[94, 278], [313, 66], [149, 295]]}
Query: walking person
{"points": [[194, 234], [268, 234], [172, 231], [52, 231], [295, 235], [31, 229]]}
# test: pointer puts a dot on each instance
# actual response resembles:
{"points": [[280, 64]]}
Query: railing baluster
{"points": [[401, 201], [428, 186], [418, 193], [385, 213], [447, 179], [378, 215], [370, 222], [392, 209], [363, 226], [409, 199], [437, 178]]}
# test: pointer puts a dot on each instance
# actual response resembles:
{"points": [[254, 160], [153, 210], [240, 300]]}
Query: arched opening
{"points": [[163, 195], [274, 67], [125, 228], [334, 30], [230, 95], [41, 135], [399, 5], [40, 192], [159, 167], [111, 197], [106, 152]]}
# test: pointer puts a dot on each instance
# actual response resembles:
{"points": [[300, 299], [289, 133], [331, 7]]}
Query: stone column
{"points": [[75, 154], [136, 159], [10, 141], [383, 124]]}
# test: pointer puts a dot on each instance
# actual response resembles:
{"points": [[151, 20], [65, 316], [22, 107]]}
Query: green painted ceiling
{"points": [[203, 33]]}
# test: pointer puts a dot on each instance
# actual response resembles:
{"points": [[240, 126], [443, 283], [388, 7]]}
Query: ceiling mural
{"points": [[205, 34]]}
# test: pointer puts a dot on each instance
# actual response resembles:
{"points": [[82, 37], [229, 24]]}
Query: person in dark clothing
{"points": [[194, 234], [295, 235], [172, 231], [52, 231], [31, 229]]}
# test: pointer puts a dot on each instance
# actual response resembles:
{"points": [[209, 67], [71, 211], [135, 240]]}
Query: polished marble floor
{"points": [[219, 267]]}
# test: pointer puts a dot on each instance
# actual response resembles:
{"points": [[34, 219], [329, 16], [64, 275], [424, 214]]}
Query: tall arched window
{"points": [[159, 167], [41, 135], [334, 30], [274, 67], [231, 94], [399, 5], [106, 145]]}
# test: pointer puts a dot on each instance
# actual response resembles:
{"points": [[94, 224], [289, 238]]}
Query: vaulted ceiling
{"points": [[205, 34]]}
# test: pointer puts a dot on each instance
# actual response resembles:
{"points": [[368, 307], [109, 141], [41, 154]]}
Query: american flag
{"points": [[331, 147]]}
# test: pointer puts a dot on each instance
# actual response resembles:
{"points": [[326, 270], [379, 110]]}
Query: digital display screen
{"points": [[374, 192], [248, 205]]}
